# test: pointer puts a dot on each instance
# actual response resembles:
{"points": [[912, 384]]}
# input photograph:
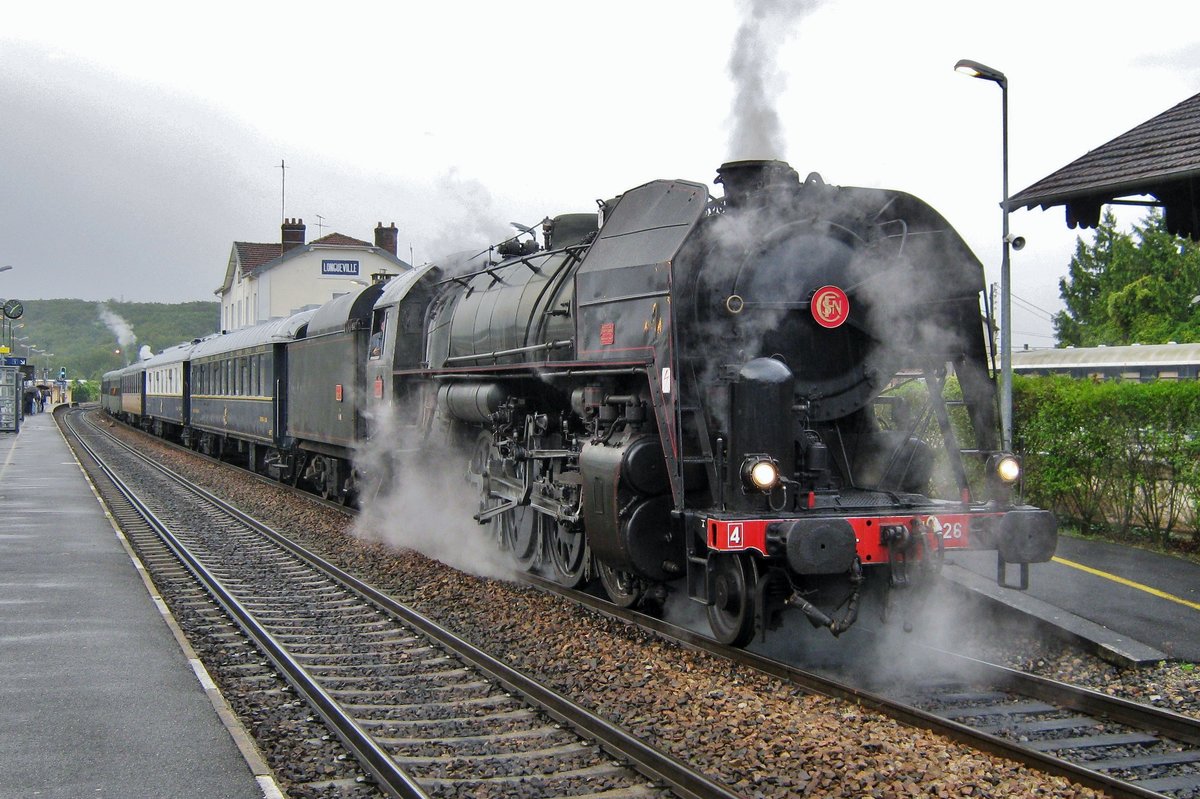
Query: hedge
{"points": [[1120, 457]]}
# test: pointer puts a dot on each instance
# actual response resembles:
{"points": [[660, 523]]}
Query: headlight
{"points": [[761, 472], [1008, 468]]}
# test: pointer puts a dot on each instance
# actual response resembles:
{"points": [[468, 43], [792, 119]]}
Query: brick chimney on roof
{"points": [[386, 237], [293, 233]]}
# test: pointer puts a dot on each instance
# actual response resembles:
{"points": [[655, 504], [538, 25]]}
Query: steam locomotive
{"points": [[770, 399]]}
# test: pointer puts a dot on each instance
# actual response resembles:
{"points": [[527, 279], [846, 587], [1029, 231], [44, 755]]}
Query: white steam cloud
{"points": [[119, 327], [427, 502], [470, 226], [755, 128]]}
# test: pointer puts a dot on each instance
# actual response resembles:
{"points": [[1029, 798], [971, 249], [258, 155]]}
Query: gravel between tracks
{"points": [[758, 735]]}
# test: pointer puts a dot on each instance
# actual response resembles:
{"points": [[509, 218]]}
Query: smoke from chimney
{"points": [[756, 132], [119, 327]]}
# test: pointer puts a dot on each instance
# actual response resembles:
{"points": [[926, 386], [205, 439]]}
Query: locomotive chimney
{"points": [[293, 233], [386, 237], [743, 180]]}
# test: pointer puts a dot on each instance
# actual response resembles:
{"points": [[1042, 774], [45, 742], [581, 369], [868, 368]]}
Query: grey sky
{"points": [[131, 156]]}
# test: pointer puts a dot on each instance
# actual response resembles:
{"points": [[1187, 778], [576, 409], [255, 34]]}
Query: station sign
{"points": [[331, 268], [10, 360]]}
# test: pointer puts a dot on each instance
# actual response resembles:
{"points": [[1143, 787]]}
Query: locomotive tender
{"points": [[745, 396]]}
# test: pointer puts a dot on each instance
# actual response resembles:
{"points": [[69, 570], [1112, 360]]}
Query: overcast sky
{"points": [[138, 141]]}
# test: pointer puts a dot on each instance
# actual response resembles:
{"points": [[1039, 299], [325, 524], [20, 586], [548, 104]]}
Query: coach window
{"points": [[378, 325], [268, 376]]}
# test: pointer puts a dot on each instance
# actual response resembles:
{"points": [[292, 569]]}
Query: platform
{"points": [[1128, 605], [99, 697]]}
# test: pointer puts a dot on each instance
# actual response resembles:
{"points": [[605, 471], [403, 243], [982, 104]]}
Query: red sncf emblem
{"points": [[830, 306]]}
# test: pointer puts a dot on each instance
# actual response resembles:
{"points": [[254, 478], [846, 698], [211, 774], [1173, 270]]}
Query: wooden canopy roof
{"points": [[1160, 157]]}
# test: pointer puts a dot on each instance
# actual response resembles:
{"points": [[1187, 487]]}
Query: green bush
{"points": [[1120, 456], [85, 391]]}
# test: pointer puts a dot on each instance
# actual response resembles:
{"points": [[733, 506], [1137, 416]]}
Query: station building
{"points": [[273, 281]]}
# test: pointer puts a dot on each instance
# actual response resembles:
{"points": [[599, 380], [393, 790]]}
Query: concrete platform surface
{"points": [[1132, 605], [98, 698]]}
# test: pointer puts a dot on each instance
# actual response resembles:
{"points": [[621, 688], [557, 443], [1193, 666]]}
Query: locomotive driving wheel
{"points": [[624, 589], [516, 530], [731, 614], [568, 552]]}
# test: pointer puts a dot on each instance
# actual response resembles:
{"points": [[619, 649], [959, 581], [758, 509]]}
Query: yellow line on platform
{"points": [[1130, 583]]}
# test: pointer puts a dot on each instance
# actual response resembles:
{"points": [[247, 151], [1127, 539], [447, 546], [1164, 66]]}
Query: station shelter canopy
{"points": [[1160, 157]]}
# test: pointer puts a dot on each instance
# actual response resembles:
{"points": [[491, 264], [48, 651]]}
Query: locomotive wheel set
{"points": [[743, 397]]}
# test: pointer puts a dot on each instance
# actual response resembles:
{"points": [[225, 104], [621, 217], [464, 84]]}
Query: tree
{"points": [[1128, 288]]}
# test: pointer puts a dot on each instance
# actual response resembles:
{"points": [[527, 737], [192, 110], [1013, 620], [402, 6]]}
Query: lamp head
{"points": [[976, 70]]}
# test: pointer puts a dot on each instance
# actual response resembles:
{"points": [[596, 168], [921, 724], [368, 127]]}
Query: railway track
{"points": [[1121, 747], [1124, 748], [423, 712]]}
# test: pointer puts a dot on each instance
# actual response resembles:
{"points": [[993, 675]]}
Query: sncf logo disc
{"points": [[830, 306]]}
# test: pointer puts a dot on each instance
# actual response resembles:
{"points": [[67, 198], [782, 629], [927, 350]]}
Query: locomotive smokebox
{"points": [[744, 180]]}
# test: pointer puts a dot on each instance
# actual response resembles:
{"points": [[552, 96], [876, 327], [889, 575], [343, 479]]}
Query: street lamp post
{"points": [[976, 70]]}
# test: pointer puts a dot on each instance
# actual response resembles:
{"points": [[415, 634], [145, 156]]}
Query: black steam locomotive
{"points": [[770, 397]]}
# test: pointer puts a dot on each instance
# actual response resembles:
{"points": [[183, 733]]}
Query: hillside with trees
{"points": [[89, 338]]}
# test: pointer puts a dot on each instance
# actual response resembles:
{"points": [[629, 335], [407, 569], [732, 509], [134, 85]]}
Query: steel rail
{"points": [[1165, 723], [649, 761], [387, 773], [1171, 725]]}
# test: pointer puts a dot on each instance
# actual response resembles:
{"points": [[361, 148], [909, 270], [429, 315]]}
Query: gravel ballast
{"points": [[758, 735]]}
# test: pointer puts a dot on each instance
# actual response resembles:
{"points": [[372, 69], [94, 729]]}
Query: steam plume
{"points": [[426, 505], [755, 128], [119, 327]]}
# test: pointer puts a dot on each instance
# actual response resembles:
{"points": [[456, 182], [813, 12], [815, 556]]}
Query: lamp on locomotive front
{"points": [[975, 69]]}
